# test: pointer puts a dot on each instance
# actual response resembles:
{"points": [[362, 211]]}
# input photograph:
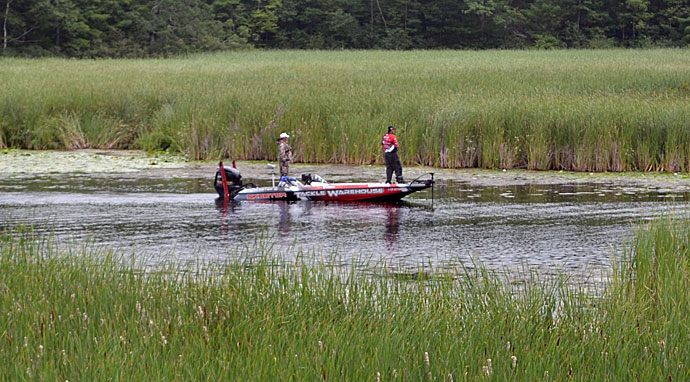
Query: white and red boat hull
{"points": [[232, 187], [359, 191]]}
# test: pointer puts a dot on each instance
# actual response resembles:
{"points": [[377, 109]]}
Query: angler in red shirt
{"points": [[390, 154]]}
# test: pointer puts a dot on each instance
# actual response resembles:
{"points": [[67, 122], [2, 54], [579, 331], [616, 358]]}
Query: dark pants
{"points": [[284, 168], [393, 164]]}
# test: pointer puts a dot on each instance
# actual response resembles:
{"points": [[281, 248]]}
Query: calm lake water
{"points": [[572, 228]]}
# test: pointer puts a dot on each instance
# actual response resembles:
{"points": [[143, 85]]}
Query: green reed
{"points": [[613, 110], [85, 314]]}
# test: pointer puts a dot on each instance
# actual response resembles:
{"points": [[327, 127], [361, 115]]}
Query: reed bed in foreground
{"points": [[84, 315], [613, 110]]}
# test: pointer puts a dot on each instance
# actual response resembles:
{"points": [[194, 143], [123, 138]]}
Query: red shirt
{"points": [[389, 140]]}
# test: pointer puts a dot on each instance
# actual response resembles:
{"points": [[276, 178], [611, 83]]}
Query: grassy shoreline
{"points": [[614, 110], [84, 315]]}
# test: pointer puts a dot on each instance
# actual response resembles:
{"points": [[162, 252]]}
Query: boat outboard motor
{"points": [[234, 179]]}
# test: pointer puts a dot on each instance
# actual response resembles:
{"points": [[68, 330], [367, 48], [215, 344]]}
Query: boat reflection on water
{"points": [[365, 226], [225, 206], [284, 220], [392, 225]]}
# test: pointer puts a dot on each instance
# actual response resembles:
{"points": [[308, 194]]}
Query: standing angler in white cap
{"points": [[284, 154]]}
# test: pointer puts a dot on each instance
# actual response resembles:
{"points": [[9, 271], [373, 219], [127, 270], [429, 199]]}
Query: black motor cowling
{"points": [[233, 178]]}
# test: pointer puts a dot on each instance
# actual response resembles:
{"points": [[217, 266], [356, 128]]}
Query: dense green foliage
{"points": [[140, 28], [86, 316], [583, 110]]}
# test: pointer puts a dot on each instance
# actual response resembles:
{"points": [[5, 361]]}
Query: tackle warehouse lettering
{"points": [[357, 191], [314, 193], [275, 195]]}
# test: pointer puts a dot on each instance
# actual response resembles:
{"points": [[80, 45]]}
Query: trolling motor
{"points": [[228, 182], [426, 182]]}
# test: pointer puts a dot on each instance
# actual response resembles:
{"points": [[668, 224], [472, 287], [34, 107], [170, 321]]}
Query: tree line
{"points": [[153, 28]]}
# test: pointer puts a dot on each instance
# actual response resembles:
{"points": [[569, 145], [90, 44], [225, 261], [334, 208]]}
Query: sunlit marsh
{"points": [[587, 110]]}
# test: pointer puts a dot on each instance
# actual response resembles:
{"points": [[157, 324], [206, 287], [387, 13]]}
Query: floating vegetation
{"points": [[85, 161]]}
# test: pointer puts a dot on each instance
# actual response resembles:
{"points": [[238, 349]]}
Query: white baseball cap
{"points": [[284, 135]]}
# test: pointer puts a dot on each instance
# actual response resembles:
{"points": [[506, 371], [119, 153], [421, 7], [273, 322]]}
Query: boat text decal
{"points": [[275, 195], [356, 191], [314, 193]]}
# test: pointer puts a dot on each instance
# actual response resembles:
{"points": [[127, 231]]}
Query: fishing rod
{"points": [[427, 182]]}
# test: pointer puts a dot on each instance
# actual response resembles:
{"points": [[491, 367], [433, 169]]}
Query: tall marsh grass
{"points": [[612, 110], [88, 316]]}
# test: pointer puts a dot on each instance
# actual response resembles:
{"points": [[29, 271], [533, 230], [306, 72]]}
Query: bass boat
{"points": [[229, 185]]}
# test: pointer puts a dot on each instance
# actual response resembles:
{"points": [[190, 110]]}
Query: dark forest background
{"points": [[151, 28]]}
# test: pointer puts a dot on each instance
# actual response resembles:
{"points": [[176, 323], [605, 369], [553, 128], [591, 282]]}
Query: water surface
{"points": [[575, 228]]}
